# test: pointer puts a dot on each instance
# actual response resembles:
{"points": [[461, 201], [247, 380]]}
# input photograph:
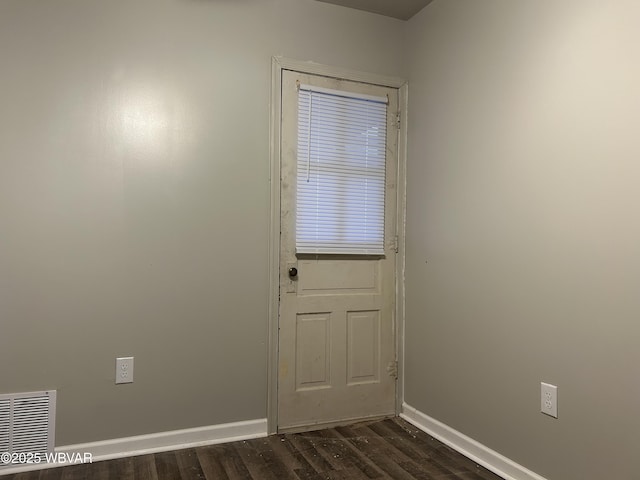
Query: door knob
{"points": [[293, 272]]}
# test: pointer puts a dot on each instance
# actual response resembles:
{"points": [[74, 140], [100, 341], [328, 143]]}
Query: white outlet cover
{"points": [[124, 370], [549, 399]]}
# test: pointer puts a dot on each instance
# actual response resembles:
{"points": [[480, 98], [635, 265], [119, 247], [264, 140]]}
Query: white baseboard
{"points": [[479, 453], [155, 442]]}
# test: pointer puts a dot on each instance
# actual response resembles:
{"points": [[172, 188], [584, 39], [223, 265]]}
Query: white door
{"points": [[337, 356]]}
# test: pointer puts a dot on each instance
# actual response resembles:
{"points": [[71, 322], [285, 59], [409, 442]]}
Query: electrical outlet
{"points": [[124, 370], [549, 399]]}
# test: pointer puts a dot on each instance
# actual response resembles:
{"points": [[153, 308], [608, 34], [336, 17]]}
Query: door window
{"points": [[341, 172]]}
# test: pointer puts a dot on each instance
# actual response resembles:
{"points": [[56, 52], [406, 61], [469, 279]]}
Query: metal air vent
{"points": [[27, 423]]}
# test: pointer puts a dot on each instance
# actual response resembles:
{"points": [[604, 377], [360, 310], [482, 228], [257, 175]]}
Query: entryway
{"points": [[338, 251]]}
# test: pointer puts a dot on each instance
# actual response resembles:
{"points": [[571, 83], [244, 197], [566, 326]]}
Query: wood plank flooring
{"points": [[384, 449]]}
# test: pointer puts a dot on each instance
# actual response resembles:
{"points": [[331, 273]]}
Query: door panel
{"points": [[313, 351], [363, 347], [336, 317], [337, 277]]}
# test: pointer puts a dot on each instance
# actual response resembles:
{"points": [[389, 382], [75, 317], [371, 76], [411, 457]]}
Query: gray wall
{"points": [[523, 232], [134, 199]]}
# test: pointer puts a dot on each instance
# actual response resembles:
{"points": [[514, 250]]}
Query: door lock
{"points": [[292, 279]]}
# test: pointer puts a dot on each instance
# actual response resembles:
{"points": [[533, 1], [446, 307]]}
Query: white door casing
{"points": [[337, 331]]}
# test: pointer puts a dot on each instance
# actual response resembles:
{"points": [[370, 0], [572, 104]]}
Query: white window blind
{"points": [[341, 172]]}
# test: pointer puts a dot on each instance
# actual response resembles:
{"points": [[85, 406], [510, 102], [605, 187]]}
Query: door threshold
{"points": [[332, 424]]}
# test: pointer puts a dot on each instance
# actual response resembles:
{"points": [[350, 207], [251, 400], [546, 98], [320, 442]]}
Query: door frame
{"points": [[278, 64]]}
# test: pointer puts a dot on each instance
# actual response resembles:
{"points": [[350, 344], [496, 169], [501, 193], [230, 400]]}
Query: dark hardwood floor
{"points": [[384, 449]]}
